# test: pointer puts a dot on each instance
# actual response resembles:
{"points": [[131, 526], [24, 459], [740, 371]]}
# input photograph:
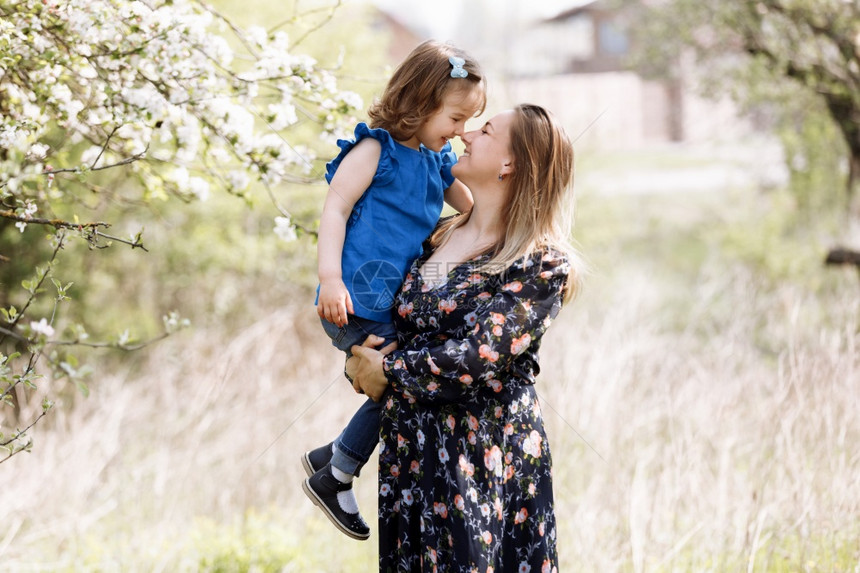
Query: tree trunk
{"points": [[853, 184], [841, 256], [845, 111]]}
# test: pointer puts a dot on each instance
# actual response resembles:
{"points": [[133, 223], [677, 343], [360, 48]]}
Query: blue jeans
{"points": [[357, 441]]}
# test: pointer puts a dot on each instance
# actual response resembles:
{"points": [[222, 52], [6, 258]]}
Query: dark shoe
{"points": [[322, 489], [315, 460]]}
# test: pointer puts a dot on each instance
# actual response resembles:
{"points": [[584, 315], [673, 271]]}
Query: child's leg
{"points": [[330, 485], [359, 439], [356, 443]]}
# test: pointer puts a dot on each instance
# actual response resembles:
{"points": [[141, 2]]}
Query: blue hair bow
{"points": [[457, 71]]}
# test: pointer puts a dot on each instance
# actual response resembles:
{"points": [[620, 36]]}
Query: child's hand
{"points": [[334, 302]]}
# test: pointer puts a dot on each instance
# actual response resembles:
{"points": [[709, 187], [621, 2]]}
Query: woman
{"points": [[465, 479]]}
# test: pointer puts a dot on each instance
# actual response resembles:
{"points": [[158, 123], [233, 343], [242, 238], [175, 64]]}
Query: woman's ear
{"points": [[507, 168]]}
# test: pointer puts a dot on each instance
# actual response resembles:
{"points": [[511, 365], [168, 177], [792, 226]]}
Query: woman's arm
{"points": [[353, 177], [513, 322]]}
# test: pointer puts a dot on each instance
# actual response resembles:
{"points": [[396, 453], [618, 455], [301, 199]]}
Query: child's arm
{"points": [[458, 196], [351, 180]]}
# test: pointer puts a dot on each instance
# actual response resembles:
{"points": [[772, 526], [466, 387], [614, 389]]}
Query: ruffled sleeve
{"points": [[527, 298], [387, 167], [449, 158]]}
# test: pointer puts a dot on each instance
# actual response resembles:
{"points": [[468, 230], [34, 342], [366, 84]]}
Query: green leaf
{"points": [[10, 314]]}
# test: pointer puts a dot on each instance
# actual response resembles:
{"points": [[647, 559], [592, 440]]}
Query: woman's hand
{"points": [[366, 370]]}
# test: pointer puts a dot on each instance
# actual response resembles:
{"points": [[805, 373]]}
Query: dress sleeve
{"points": [[449, 158], [387, 167], [527, 298]]}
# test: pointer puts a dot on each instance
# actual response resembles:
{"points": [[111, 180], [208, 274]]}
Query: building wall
{"points": [[602, 110], [560, 64], [621, 110]]}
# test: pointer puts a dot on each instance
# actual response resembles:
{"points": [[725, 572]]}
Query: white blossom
{"points": [[284, 229], [199, 187], [42, 327], [283, 115], [38, 150], [180, 177], [238, 180], [89, 156], [124, 78], [257, 35], [351, 99]]}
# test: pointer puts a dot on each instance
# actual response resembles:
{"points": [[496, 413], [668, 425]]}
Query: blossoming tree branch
{"points": [[172, 93]]}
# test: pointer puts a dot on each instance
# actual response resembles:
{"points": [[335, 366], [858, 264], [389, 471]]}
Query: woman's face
{"points": [[488, 151]]}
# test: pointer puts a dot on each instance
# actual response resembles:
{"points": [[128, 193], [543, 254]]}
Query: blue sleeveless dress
{"points": [[391, 220]]}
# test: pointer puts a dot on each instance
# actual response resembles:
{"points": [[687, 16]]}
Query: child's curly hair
{"points": [[417, 89]]}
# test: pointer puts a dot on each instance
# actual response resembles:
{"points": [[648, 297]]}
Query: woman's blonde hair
{"points": [[418, 87], [539, 210]]}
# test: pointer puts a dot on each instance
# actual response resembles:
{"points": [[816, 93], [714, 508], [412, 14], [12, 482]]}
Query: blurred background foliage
{"points": [[219, 260], [792, 63]]}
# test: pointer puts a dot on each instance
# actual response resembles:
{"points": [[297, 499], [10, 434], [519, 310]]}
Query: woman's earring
{"points": [[501, 177]]}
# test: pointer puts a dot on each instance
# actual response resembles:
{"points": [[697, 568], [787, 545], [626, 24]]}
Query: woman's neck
{"points": [[484, 225]]}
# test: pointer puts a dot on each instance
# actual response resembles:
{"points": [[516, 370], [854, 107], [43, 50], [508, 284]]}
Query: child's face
{"points": [[449, 121]]}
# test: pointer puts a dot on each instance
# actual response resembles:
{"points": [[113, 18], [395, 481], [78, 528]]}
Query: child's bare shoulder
{"points": [[368, 145], [365, 154]]}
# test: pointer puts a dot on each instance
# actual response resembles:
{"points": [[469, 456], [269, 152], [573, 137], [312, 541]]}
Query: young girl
{"points": [[386, 189]]}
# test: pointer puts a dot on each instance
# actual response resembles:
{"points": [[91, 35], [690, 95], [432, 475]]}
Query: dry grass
{"points": [[153, 470], [730, 445], [706, 423]]}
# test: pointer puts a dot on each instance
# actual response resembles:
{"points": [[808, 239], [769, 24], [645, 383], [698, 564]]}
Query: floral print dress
{"points": [[465, 479]]}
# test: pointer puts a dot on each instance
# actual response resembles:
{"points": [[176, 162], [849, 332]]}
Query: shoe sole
{"points": [[318, 502], [306, 463]]}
